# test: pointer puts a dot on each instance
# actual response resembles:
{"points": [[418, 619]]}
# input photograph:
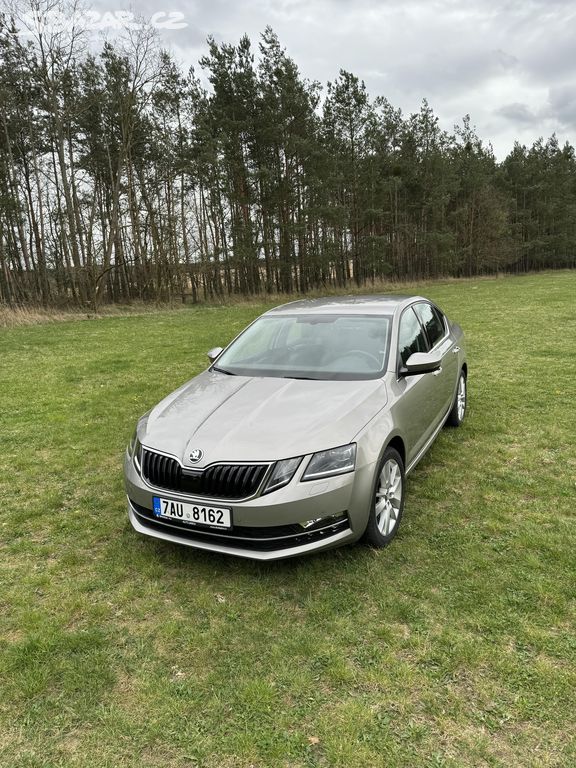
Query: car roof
{"points": [[383, 304]]}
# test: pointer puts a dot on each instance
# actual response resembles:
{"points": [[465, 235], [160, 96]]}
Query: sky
{"points": [[509, 64]]}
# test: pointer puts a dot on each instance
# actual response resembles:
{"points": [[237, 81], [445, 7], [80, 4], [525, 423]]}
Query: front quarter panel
{"points": [[374, 436]]}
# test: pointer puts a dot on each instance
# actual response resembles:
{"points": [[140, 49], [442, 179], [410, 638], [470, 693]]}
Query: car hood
{"points": [[237, 418]]}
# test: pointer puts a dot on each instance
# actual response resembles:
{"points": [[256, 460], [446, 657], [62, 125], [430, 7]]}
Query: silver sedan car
{"points": [[300, 434]]}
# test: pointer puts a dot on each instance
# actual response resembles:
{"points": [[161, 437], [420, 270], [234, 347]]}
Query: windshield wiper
{"points": [[302, 378], [222, 370]]}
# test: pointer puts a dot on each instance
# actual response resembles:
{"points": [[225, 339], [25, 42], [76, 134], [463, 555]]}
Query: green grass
{"points": [[456, 646]]}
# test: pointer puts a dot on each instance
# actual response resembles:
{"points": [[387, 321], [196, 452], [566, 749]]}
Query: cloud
{"points": [[510, 65], [563, 105], [557, 114], [518, 113]]}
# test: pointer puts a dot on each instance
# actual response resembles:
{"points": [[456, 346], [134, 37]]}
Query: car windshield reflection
{"points": [[314, 346]]}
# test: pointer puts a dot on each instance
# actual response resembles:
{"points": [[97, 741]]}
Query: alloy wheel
{"points": [[388, 497], [461, 397]]}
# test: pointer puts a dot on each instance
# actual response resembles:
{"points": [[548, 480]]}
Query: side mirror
{"points": [[421, 362], [214, 353]]}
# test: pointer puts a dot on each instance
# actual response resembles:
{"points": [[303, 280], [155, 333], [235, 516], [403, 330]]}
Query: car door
{"points": [[416, 396], [436, 329]]}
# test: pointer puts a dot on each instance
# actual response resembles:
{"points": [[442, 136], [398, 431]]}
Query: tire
{"points": [[387, 502], [458, 412]]}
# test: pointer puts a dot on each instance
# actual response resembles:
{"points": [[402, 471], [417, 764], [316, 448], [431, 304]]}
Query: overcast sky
{"points": [[511, 64]]}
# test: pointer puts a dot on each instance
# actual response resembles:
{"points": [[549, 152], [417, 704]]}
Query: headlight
{"points": [[282, 473], [336, 461]]}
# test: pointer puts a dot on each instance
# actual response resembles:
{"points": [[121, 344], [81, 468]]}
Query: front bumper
{"points": [[298, 519]]}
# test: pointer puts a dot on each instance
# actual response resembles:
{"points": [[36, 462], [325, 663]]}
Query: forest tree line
{"points": [[123, 177]]}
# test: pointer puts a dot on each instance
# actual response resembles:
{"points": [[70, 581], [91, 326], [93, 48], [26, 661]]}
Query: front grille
{"points": [[220, 481], [258, 539], [161, 470]]}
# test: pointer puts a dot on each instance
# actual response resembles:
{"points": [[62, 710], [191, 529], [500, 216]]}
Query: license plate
{"points": [[193, 514]]}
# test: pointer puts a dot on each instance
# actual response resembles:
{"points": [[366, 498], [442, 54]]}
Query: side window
{"points": [[411, 337], [432, 321]]}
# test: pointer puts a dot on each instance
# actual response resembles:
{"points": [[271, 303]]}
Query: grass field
{"points": [[456, 646]]}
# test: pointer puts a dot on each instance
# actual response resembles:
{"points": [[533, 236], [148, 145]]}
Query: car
{"points": [[300, 434]]}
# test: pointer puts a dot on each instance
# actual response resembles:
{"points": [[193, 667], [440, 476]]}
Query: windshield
{"points": [[311, 347]]}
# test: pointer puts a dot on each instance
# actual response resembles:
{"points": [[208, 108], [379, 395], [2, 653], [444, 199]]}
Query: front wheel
{"points": [[456, 415], [387, 500]]}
